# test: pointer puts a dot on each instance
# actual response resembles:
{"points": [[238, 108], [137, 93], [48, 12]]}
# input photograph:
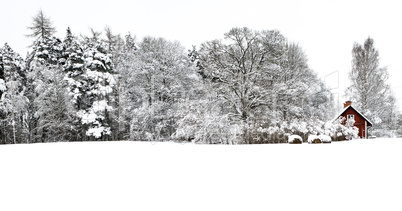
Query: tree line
{"points": [[249, 87]]}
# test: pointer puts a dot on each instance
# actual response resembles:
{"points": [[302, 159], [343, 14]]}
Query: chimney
{"points": [[347, 103]]}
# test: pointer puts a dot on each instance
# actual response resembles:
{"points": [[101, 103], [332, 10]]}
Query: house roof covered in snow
{"points": [[350, 106]]}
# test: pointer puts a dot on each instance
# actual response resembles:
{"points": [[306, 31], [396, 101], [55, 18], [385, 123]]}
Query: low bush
{"points": [[295, 139]]}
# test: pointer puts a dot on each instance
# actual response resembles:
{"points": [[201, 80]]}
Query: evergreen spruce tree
{"points": [[97, 86], [73, 68]]}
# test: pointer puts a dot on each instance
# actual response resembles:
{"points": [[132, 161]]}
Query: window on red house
{"points": [[351, 117]]}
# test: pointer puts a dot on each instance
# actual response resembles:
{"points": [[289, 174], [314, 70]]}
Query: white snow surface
{"points": [[350, 175]]}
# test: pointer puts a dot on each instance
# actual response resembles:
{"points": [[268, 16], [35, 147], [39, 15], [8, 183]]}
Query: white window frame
{"points": [[350, 116]]}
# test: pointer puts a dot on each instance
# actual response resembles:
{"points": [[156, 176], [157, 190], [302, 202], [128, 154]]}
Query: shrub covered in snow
{"points": [[278, 131], [295, 139], [325, 138], [343, 132], [314, 139], [205, 125]]}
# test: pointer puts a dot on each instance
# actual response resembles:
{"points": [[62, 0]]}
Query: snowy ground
{"points": [[354, 175]]}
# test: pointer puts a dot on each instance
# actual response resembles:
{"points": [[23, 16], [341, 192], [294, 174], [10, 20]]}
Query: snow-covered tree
{"points": [[12, 100], [299, 92], [369, 89], [74, 69], [47, 53], [399, 125], [344, 129], [160, 75], [203, 121], [46, 49], [72, 55], [261, 78], [54, 105], [126, 62], [104, 87], [98, 82], [121, 51], [243, 67], [113, 42]]}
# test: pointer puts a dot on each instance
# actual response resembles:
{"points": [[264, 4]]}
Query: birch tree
{"points": [[369, 89]]}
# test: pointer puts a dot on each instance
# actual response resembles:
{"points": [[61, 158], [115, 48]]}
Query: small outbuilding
{"points": [[361, 122]]}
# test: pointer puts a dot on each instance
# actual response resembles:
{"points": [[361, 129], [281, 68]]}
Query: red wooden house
{"points": [[361, 122]]}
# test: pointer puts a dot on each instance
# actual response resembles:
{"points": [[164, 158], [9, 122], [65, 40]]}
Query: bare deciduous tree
{"points": [[41, 26]]}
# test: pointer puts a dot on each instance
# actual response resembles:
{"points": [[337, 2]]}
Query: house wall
{"points": [[359, 121]]}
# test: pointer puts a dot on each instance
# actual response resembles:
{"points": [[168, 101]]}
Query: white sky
{"points": [[325, 29]]}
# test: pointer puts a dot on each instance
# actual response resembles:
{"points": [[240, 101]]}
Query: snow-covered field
{"points": [[353, 175]]}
